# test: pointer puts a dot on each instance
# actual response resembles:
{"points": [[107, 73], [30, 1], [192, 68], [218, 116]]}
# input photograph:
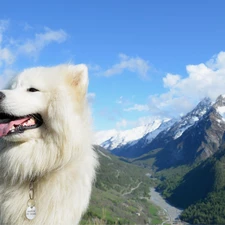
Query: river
{"points": [[170, 210]]}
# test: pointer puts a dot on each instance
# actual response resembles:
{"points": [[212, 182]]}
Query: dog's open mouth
{"points": [[13, 125]]}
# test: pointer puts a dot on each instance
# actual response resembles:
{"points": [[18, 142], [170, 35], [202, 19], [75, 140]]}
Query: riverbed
{"points": [[170, 210]]}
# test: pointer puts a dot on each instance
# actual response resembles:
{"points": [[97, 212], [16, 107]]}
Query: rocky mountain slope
{"points": [[199, 141]]}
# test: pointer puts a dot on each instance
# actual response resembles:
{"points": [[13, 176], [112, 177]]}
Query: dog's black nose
{"points": [[2, 96]]}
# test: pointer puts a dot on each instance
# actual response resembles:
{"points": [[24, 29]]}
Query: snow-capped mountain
{"points": [[219, 106], [113, 139], [191, 118], [137, 148], [199, 140], [135, 142], [195, 136], [187, 121], [103, 136]]}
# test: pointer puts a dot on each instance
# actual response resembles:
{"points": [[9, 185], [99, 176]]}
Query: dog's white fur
{"points": [[58, 154]]}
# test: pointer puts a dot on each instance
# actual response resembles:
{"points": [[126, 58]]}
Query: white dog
{"points": [[47, 164]]}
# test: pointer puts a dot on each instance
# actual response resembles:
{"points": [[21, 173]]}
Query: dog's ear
{"points": [[78, 78]]}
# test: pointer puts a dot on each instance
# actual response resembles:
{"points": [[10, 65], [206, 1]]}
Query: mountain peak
{"points": [[220, 101], [191, 118], [201, 108], [219, 106]]}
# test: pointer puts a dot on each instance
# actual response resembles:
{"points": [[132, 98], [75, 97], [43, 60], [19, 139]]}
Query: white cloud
{"points": [[6, 56], [121, 124], [11, 48], [129, 105], [169, 105], [203, 80], [27, 26], [94, 67], [91, 97], [123, 101], [33, 46], [132, 64], [5, 77], [137, 107], [141, 121], [3, 26], [120, 100], [170, 80]]}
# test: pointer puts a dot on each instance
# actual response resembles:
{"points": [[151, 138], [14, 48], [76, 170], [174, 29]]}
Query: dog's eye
{"points": [[32, 90]]}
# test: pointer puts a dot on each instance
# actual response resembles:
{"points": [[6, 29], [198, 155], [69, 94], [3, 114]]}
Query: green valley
{"points": [[198, 188], [121, 194]]}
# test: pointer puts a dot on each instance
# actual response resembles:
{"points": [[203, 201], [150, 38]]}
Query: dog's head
{"points": [[42, 113], [34, 100]]}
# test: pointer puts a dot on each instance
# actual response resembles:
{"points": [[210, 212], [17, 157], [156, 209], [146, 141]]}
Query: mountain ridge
{"points": [[194, 137], [112, 139]]}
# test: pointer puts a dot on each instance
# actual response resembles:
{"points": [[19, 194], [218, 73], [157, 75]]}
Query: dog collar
{"points": [[31, 210]]}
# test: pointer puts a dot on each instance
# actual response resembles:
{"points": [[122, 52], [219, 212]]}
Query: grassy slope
{"points": [[112, 200]]}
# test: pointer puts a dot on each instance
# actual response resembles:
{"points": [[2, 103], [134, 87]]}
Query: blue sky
{"points": [[146, 58]]}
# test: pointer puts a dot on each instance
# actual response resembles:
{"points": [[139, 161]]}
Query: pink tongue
{"points": [[5, 127]]}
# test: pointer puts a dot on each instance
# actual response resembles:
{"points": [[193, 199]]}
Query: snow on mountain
{"points": [[221, 111], [191, 118], [195, 136], [157, 131], [102, 136], [219, 105], [112, 139], [151, 135]]}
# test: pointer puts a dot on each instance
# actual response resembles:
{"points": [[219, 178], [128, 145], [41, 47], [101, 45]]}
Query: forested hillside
{"points": [[200, 190], [121, 194]]}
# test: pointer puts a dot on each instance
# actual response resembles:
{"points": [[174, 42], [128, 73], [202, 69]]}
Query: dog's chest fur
{"points": [[59, 199]]}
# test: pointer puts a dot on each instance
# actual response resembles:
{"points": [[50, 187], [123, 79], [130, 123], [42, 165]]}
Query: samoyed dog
{"points": [[47, 163]]}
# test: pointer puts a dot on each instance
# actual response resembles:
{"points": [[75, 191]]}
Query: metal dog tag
{"points": [[31, 212]]}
